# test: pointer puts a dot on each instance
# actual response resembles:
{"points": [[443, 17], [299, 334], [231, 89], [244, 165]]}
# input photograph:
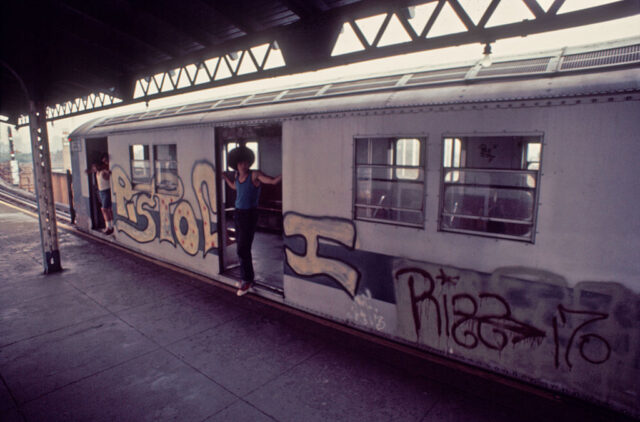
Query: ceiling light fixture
{"points": [[486, 58]]}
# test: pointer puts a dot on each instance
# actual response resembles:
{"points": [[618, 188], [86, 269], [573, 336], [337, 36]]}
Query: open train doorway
{"points": [[268, 250], [96, 148]]}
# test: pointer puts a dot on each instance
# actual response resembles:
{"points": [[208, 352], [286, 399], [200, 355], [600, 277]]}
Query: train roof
{"points": [[567, 72]]}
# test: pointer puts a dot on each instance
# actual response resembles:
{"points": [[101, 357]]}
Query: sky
{"points": [[510, 11]]}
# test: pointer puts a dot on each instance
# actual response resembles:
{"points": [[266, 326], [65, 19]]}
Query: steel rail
{"points": [[23, 200]]}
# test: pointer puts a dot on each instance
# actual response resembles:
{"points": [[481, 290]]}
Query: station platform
{"points": [[115, 337]]}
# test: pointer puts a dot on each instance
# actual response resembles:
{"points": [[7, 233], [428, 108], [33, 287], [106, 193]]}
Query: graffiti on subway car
{"points": [[443, 307], [145, 214]]}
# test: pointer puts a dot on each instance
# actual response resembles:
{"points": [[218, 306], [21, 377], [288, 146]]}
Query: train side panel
{"points": [[174, 217], [560, 311]]}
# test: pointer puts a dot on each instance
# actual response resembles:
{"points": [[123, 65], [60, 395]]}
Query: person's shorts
{"points": [[105, 198]]}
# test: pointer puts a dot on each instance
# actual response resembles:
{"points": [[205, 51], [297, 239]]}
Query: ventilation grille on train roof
{"points": [[148, 115], [135, 116], [363, 85], [609, 57], [231, 102], [169, 111], [262, 98], [199, 107], [434, 76], [294, 94], [515, 67], [113, 120]]}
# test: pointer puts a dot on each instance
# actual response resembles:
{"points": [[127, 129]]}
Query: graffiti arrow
{"points": [[519, 330]]}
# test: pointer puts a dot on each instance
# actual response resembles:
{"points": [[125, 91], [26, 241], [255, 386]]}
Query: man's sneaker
{"points": [[244, 288], [108, 231]]}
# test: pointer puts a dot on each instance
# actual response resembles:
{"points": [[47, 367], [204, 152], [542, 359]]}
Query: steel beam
{"points": [[44, 189], [307, 45]]}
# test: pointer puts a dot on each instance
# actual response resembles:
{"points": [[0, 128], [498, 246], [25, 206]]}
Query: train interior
{"points": [[95, 148], [268, 254], [490, 184]]}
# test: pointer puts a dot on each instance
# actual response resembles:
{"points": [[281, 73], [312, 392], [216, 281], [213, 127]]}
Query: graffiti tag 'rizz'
{"points": [[463, 319], [471, 319], [175, 219]]}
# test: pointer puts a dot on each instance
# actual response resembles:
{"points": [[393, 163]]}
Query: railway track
{"points": [[27, 200]]}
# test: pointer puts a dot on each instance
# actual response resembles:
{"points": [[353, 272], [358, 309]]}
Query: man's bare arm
{"points": [[229, 182], [268, 180]]}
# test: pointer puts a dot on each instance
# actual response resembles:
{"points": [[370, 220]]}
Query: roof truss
{"points": [[173, 49]]}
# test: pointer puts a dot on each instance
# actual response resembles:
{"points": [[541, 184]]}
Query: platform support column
{"points": [[44, 189]]}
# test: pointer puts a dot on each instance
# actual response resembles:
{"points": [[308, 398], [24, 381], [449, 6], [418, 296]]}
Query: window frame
{"points": [[536, 196], [150, 185], [141, 184], [422, 164], [156, 174]]}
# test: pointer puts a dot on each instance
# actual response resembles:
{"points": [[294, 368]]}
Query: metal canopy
{"points": [[76, 56]]}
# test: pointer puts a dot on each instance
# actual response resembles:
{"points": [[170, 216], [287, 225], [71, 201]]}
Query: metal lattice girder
{"points": [[87, 103], [312, 43], [481, 26], [255, 61], [91, 102], [311, 47], [44, 189]]}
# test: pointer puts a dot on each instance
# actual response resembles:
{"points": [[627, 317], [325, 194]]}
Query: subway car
{"points": [[485, 214]]}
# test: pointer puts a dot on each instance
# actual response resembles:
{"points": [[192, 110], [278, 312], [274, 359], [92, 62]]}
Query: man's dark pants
{"points": [[246, 222]]}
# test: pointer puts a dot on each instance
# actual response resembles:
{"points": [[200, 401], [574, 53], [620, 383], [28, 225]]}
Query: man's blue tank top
{"points": [[247, 194]]}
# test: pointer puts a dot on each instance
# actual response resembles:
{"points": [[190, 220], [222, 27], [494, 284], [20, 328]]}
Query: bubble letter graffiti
{"points": [[313, 230], [203, 183]]}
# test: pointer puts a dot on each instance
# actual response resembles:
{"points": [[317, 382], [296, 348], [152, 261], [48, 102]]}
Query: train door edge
{"points": [[95, 148], [226, 246]]}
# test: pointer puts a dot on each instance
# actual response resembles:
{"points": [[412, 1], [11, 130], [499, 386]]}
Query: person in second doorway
{"points": [[103, 177], [247, 185]]}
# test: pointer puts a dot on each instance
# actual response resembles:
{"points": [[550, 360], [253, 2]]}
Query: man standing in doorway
{"points": [[103, 177], [247, 185]]}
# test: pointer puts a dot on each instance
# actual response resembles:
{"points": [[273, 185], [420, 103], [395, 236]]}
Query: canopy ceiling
{"points": [[55, 51]]}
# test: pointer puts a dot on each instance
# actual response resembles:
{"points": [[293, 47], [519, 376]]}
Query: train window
{"points": [[389, 180], [533, 155], [490, 185], [165, 159], [407, 154], [140, 166]]}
